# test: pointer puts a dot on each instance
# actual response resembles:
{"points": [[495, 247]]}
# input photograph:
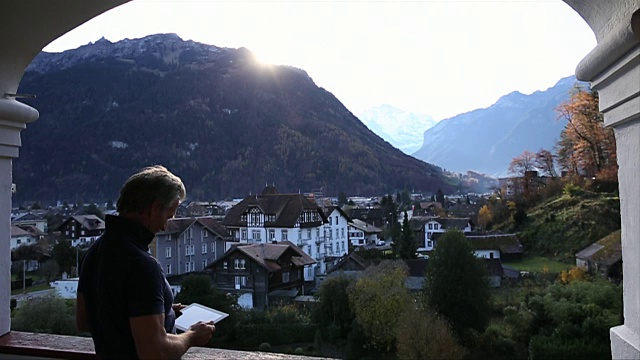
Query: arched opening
{"points": [[613, 68]]}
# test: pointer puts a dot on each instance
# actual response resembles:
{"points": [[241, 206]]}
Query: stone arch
{"points": [[613, 68]]}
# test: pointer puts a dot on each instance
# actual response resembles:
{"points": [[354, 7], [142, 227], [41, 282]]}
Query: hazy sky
{"points": [[439, 58]]}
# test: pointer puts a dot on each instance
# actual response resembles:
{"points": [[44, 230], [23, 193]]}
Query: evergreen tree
{"points": [[342, 199], [440, 197], [405, 246], [456, 286]]}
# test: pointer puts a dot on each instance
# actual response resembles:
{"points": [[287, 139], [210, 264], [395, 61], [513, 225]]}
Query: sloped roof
{"points": [[506, 243], [17, 231], [606, 251], [329, 210], [89, 222], [286, 208], [28, 217], [215, 226], [367, 228], [588, 252], [417, 222], [364, 214], [453, 223], [352, 256], [34, 231], [177, 226], [268, 255]]}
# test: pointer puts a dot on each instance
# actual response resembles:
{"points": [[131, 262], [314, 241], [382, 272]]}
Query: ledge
{"points": [[75, 347]]}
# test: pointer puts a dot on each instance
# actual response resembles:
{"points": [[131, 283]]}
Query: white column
{"points": [[26, 26], [613, 68], [13, 118]]}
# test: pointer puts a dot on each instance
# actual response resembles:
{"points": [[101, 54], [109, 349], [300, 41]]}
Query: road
{"points": [[21, 298]]}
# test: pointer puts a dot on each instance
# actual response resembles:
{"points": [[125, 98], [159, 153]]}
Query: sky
{"points": [[439, 58]]}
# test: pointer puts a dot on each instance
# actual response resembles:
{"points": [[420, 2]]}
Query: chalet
{"points": [[428, 228], [337, 232], [30, 219], [190, 244], [362, 233], [20, 237], [271, 216], [604, 257], [496, 246], [261, 274], [82, 229]]}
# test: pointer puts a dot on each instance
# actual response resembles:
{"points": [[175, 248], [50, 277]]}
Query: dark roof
{"points": [[417, 222], [215, 226], [367, 214], [364, 226], [28, 217], [329, 210], [34, 231], [506, 243], [453, 223], [268, 255], [177, 226], [606, 251], [89, 222], [353, 257], [18, 231], [286, 207]]}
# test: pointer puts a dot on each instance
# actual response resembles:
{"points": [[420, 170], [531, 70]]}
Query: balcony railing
{"points": [[24, 345]]}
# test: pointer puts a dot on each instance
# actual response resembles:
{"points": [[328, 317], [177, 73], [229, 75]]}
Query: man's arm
{"points": [[82, 322], [153, 342]]}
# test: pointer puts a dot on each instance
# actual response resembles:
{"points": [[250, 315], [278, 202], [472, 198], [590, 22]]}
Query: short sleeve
{"points": [[145, 289]]}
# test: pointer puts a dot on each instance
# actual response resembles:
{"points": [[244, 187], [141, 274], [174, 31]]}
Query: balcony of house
{"points": [[24, 345]]}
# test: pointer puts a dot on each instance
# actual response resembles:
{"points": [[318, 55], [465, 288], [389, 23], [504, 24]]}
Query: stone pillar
{"points": [[26, 26], [13, 118], [613, 68]]}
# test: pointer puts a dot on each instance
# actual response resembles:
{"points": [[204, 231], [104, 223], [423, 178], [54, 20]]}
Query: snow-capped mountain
{"points": [[402, 129]]}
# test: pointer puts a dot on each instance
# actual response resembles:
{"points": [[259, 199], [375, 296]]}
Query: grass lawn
{"points": [[33, 288], [539, 264], [30, 274]]}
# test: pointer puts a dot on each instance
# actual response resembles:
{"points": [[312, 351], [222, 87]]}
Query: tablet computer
{"points": [[196, 312]]}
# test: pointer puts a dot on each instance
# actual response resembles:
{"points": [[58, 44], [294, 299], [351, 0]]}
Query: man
{"points": [[124, 299]]}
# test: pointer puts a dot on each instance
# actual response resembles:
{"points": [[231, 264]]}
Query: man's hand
{"points": [[202, 332], [177, 308]]}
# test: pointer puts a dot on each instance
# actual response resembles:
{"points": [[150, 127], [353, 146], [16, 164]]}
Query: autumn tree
{"points": [[423, 334], [485, 217], [545, 163], [522, 163], [332, 311], [378, 299], [586, 147]]}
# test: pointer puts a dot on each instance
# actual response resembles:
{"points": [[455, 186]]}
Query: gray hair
{"points": [[154, 183]]}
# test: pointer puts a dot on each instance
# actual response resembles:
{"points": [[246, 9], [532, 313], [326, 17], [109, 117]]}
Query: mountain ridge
{"points": [[487, 139], [224, 122]]}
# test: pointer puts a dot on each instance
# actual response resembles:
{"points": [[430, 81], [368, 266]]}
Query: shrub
{"points": [[265, 347]]}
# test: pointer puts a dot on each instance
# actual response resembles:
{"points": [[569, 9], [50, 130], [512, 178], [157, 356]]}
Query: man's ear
{"points": [[156, 207]]}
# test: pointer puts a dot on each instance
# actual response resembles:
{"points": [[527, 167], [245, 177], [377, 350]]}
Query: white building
{"points": [[361, 233], [20, 237], [272, 217]]}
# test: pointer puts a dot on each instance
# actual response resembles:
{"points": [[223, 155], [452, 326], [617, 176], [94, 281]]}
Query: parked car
{"points": [[380, 243]]}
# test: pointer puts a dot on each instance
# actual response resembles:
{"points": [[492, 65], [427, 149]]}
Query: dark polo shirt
{"points": [[119, 280]]}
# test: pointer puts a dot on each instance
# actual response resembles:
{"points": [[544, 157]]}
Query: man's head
{"points": [[151, 196]]}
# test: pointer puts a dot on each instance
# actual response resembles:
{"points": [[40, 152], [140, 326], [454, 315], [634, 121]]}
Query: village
{"points": [[272, 248]]}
